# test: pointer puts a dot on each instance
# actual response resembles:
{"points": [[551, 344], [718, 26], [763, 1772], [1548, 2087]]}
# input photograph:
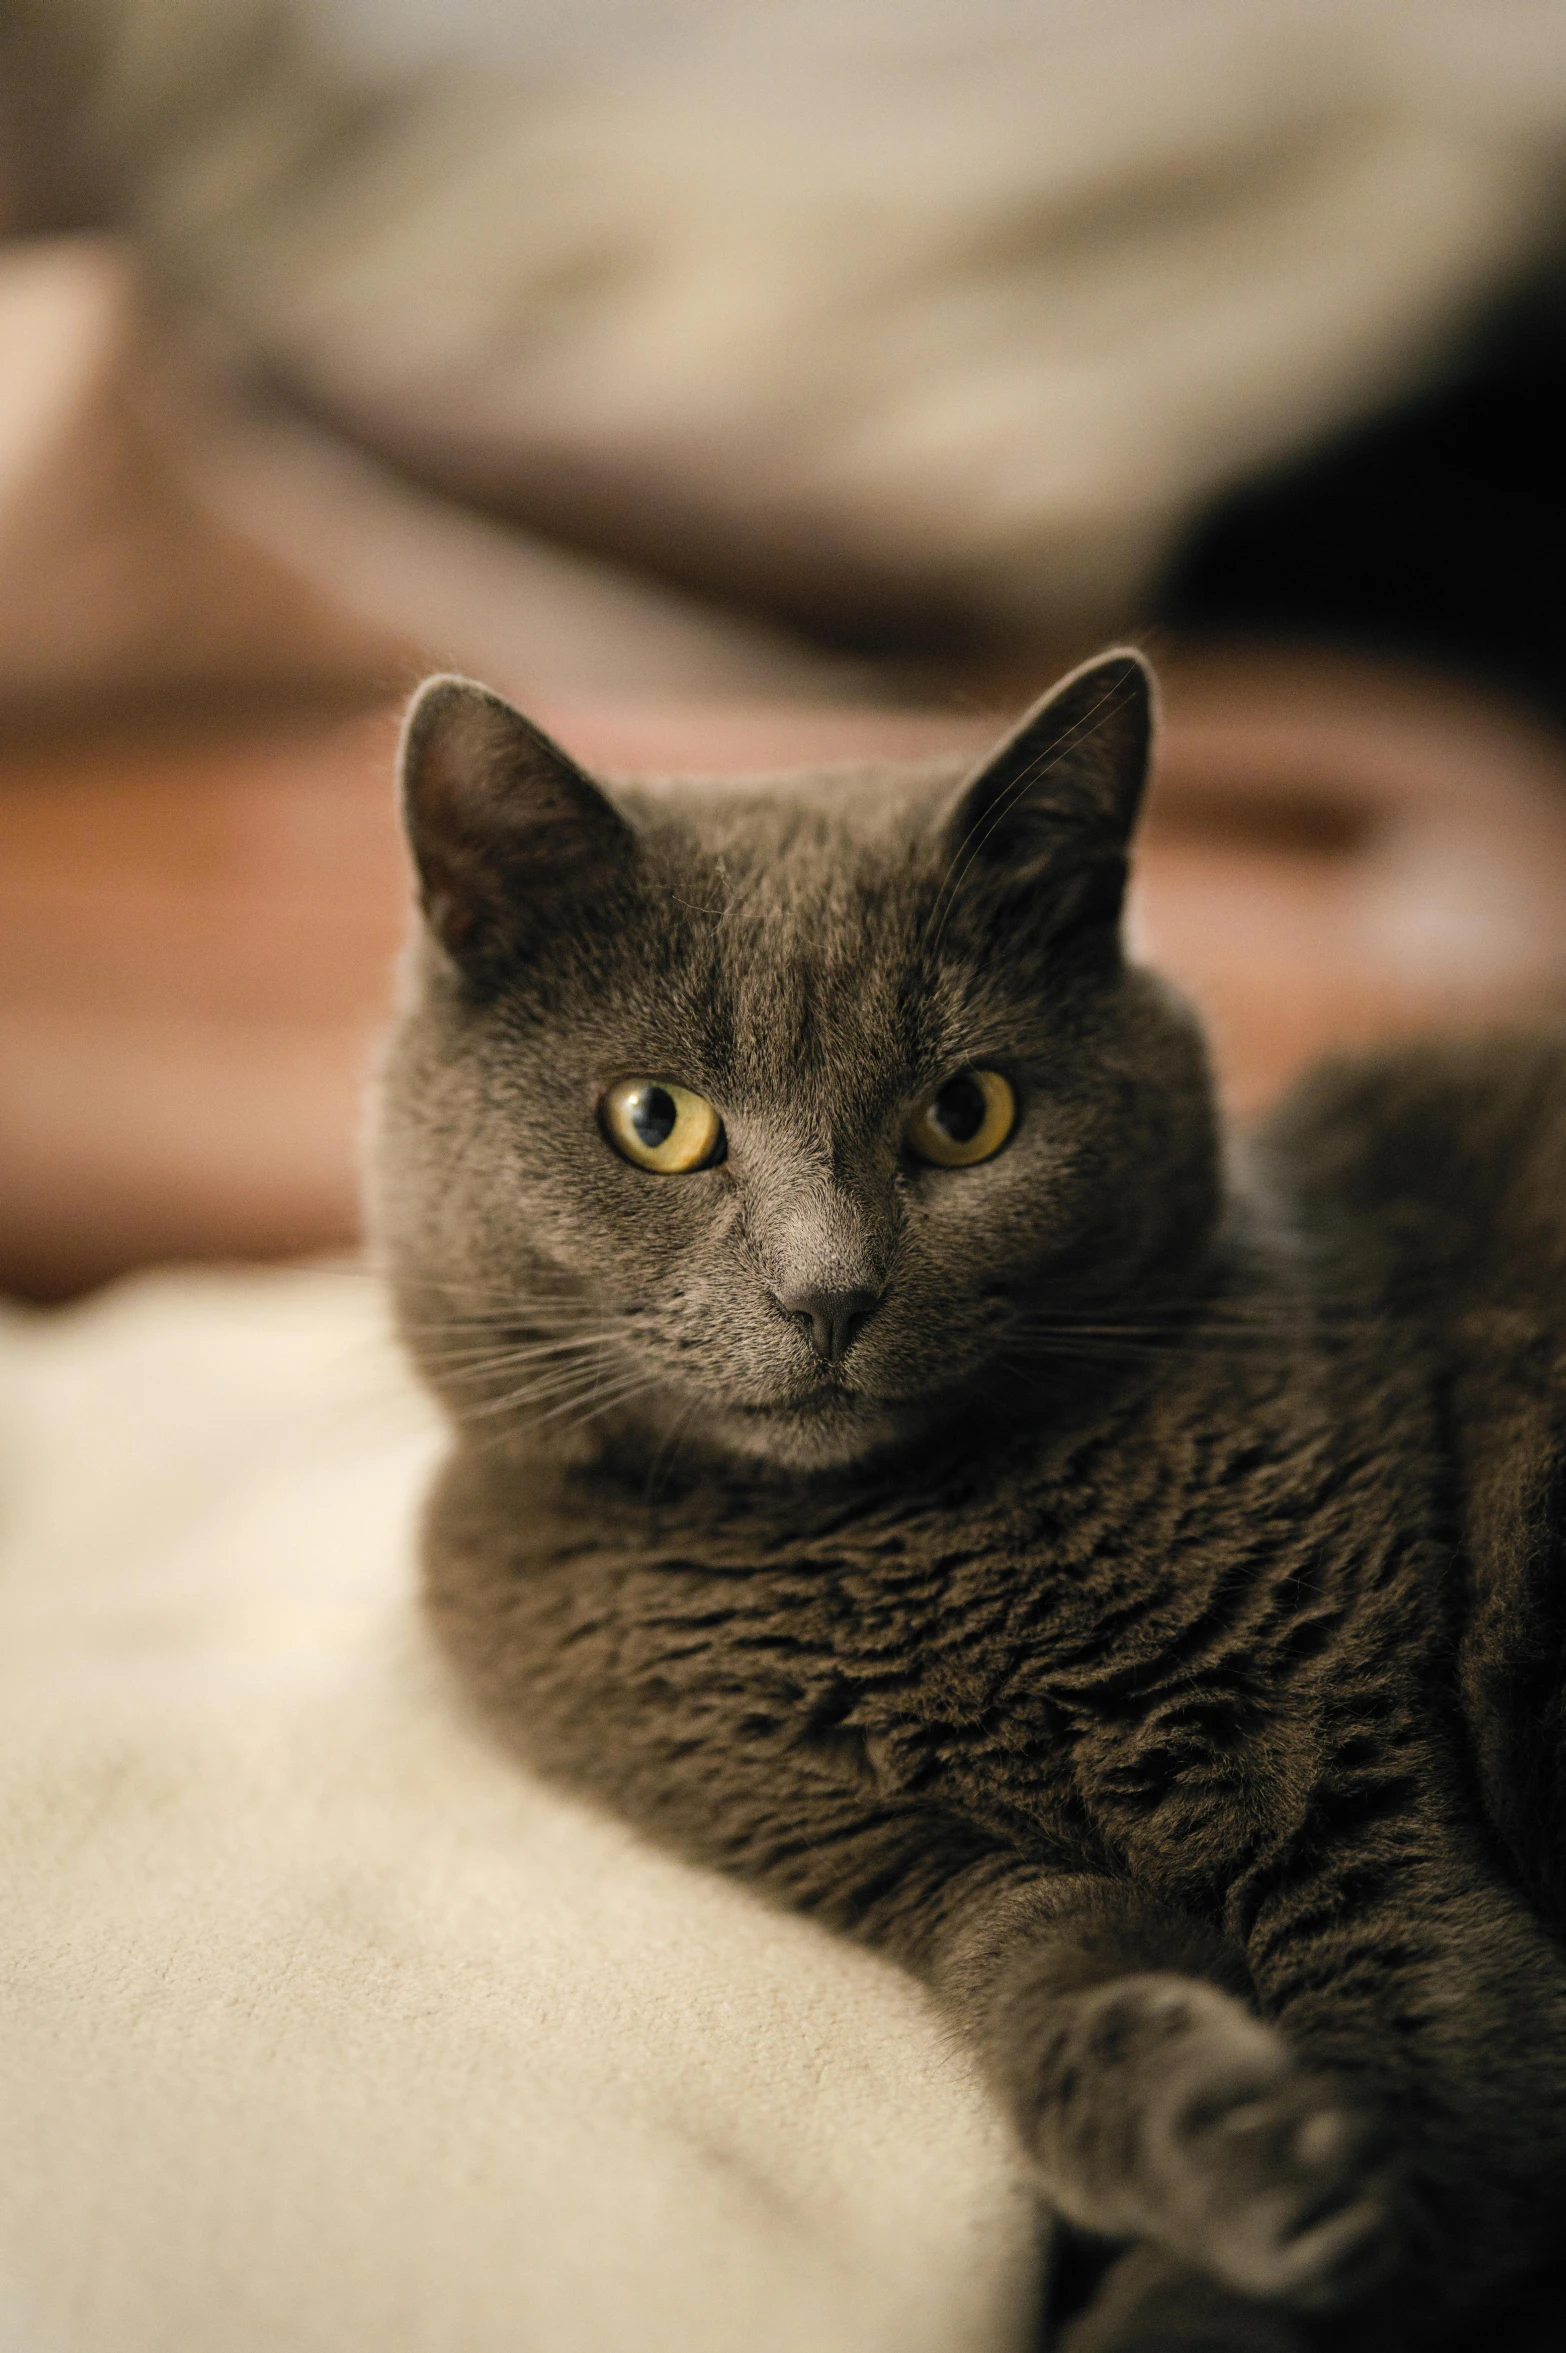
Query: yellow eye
{"points": [[965, 1120], [661, 1126]]}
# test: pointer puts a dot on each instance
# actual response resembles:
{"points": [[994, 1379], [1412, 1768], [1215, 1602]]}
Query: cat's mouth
{"points": [[817, 1405], [827, 1427], [810, 1407]]}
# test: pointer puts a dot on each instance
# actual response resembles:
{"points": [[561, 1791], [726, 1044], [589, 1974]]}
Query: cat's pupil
{"points": [[960, 1108], [653, 1115]]}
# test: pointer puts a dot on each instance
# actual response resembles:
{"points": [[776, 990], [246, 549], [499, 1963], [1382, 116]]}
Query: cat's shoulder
{"points": [[1433, 1114], [1452, 1148]]}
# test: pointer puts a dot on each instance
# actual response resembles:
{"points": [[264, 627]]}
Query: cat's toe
{"points": [[1284, 2191], [1181, 2119], [1148, 2303]]}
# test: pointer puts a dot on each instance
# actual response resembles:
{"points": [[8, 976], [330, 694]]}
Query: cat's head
{"points": [[791, 1119]]}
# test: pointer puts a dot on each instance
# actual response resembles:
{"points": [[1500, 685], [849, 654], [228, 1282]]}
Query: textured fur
{"points": [[1151, 1630]]}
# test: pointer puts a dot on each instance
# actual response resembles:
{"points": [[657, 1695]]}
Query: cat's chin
{"points": [[828, 1431]]}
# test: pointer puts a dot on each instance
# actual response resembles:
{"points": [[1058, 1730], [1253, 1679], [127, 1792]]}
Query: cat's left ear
{"points": [[1045, 823]]}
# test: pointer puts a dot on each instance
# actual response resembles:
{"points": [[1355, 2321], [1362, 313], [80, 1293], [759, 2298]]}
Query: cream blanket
{"points": [[323, 2027]]}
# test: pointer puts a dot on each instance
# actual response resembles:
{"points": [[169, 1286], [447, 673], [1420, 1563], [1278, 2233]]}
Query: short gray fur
{"points": [[1148, 1627]]}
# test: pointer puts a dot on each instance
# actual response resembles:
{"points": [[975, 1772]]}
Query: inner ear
{"points": [[509, 836], [1048, 816]]}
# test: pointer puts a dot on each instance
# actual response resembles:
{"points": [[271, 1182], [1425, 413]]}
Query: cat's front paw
{"points": [[1227, 2151]]}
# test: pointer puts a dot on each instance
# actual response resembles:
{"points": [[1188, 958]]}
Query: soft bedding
{"points": [[323, 2026]]}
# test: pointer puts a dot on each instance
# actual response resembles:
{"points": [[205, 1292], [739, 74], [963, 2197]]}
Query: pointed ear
{"points": [[507, 833], [1045, 823]]}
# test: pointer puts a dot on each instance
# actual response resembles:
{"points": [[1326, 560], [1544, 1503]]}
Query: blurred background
{"points": [[737, 385]]}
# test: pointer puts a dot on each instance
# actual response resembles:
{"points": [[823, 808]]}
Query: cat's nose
{"points": [[833, 1316]]}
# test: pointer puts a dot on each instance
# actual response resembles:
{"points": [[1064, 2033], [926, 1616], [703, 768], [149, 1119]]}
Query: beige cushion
{"points": [[850, 306], [115, 573], [323, 2026], [158, 534]]}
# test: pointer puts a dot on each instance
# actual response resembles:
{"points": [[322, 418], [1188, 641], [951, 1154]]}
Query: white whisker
{"points": [[465, 1363], [576, 1380]]}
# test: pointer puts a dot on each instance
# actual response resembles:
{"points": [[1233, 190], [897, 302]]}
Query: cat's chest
{"points": [[717, 1675], [1128, 1646], [1104, 1658]]}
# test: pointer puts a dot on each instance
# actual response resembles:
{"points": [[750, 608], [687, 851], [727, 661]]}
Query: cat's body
{"points": [[1135, 1640]]}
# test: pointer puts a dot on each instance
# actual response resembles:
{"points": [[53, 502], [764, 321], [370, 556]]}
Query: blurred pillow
{"points": [[113, 575], [158, 534], [876, 315]]}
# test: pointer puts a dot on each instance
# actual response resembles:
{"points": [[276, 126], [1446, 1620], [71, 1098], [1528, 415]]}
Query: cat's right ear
{"points": [[509, 837]]}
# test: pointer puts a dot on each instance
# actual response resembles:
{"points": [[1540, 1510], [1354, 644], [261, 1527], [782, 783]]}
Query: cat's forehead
{"points": [[803, 821], [805, 909], [821, 863]]}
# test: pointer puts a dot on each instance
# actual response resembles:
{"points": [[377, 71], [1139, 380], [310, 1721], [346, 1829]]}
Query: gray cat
{"points": [[900, 1461]]}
